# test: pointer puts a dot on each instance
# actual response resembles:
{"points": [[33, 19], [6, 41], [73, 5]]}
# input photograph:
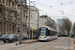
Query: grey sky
{"points": [[68, 7]]}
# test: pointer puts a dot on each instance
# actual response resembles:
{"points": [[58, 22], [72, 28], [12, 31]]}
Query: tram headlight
{"points": [[45, 37], [40, 36]]}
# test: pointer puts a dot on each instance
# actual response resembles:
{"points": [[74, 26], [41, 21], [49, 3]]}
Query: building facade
{"points": [[60, 22], [34, 14], [43, 19], [8, 16], [24, 16]]}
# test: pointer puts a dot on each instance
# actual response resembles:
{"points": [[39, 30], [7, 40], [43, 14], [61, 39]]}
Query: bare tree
{"points": [[73, 29], [67, 25]]}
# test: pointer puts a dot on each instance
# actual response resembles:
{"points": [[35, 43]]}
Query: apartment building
{"points": [[43, 19], [34, 14], [8, 16]]}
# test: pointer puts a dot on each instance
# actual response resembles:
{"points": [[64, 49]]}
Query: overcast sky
{"points": [[56, 8]]}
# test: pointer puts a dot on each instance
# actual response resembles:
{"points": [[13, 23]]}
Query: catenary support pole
{"points": [[21, 25]]}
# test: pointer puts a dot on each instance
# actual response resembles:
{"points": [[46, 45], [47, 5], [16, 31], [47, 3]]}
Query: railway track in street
{"points": [[43, 45], [60, 45], [51, 48]]}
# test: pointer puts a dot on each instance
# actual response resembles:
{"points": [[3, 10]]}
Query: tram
{"points": [[47, 33]]}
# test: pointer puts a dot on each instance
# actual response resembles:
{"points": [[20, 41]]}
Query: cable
{"points": [[53, 7], [49, 6], [62, 7]]}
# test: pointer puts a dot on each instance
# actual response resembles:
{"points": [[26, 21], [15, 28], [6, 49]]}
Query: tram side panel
{"points": [[48, 34]]}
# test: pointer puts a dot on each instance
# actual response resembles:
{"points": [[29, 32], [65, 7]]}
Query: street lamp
{"points": [[29, 21], [21, 25], [21, 1], [74, 32]]}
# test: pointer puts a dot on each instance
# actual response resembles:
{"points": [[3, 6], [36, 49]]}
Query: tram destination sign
{"points": [[43, 28]]}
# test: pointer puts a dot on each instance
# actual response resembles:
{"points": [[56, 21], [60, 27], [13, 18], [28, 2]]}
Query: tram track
{"points": [[52, 48], [42, 45], [48, 44]]}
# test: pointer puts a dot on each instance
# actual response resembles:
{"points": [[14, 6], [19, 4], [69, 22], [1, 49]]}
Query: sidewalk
{"points": [[71, 43], [29, 41], [13, 45]]}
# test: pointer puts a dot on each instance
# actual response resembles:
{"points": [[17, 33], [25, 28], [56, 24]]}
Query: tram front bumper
{"points": [[43, 39]]}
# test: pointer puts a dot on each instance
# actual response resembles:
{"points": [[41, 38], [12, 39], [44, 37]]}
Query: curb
{"points": [[29, 42]]}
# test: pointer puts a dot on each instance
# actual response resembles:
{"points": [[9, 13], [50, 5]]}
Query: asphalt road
{"points": [[62, 43], [58, 44], [2, 43]]}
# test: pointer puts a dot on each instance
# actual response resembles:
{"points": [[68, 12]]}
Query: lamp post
{"points": [[21, 1], [38, 21], [21, 25], [74, 32], [29, 21]]}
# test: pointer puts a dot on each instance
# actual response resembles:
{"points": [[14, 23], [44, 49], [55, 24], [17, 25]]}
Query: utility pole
{"points": [[21, 25], [74, 32], [38, 21], [29, 21]]}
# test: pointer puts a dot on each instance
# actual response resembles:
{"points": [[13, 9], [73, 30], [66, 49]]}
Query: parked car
{"points": [[23, 37], [10, 38], [3, 36], [0, 35], [30, 37], [26, 36], [72, 35]]}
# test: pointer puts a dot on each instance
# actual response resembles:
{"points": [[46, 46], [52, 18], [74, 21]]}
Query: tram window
{"points": [[43, 32], [48, 32], [51, 33]]}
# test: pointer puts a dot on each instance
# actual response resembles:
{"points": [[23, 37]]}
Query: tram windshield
{"points": [[43, 32]]}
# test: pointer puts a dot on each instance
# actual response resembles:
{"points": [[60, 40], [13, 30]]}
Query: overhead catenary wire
{"points": [[50, 6], [62, 7]]}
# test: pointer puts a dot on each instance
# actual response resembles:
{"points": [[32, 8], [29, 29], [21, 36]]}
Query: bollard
{"points": [[74, 41], [17, 43]]}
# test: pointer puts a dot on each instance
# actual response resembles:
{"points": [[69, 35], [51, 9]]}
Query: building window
{"points": [[0, 0], [3, 1], [36, 21], [31, 20], [31, 13], [28, 12], [9, 3], [30, 16], [36, 16], [12, 5], [31, 25], [0, 11], [0, 27], [15, 16]]}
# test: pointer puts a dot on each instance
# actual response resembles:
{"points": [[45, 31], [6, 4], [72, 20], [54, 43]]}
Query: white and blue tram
{"points": [[47, 33]]}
